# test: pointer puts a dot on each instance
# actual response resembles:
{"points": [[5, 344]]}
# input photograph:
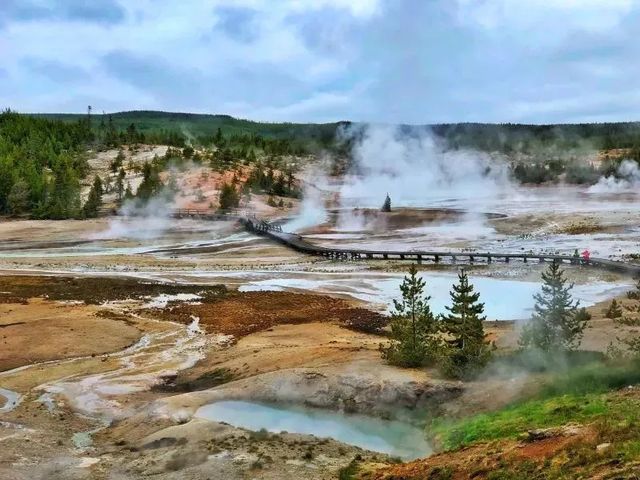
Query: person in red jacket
{"points": [[586, 255]]}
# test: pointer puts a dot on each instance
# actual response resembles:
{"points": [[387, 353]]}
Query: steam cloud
{"points": [[412, 167], [141, 221], [627, 178], [312, 209]]}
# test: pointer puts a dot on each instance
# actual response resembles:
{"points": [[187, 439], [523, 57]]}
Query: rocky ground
{"points": [[125, 355], [114, 331], [74, 383]]}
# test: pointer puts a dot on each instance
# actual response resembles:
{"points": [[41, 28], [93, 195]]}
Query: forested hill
{"points": [[182, 128], [506, 138], [41, 164], [43, 157]]}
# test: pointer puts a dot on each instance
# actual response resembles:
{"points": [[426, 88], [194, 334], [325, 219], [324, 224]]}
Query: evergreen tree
{"points": [[466, 349], [386, 206], [117, 162], [218, 139], [18, 198], [132, 135], [629, 318], [120, 184], [94, 200], [128, 193], [413, 326], [555, 324], [63, 196], [150, 184], [40, 165], [187, 152], [634, 294], [229, 197], [614, 310], [111, 135]]}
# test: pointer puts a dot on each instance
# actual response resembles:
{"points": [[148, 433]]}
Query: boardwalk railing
{"points": [[296, 242], [299, 244]]}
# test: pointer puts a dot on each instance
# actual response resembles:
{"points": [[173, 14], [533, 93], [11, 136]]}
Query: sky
{"points": [[387, 61]]}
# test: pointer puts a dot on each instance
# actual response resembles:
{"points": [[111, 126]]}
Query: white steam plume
{"points": [[627, 178], [141, 221], [414, 169], [312, 209]]}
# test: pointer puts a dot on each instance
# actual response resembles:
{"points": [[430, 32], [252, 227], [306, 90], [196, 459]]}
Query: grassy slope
{"points": [[577, 396], [598, 398]]}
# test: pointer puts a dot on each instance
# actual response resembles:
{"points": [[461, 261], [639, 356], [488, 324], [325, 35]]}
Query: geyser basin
{"points": [[392, 437]]}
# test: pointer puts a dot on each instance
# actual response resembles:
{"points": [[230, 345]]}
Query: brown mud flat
{"points": [[13, 244], [39, 330], [399, 218], [92, 290], [242, 313]]}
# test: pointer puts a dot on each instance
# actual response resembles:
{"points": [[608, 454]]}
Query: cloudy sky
{"points": [[411, 61]]}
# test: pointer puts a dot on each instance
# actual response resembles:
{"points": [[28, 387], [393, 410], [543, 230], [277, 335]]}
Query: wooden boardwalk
{"points": [[299, 244], [296, 242]]}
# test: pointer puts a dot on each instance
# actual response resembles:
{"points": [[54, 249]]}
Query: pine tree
{"points": [[614, 310], [18, 198], [629, 318], [63, 194], [386, 206], [413, 326], [120, 184], [118, 161], [151, 183], [634, 294], [467, 350], [94, 200], [218, 139], [111, 135], [128, 193], [229, 197], [555, 324]]}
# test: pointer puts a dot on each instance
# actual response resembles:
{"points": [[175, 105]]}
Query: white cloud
{"points": [[592, 15], [379, 60]]}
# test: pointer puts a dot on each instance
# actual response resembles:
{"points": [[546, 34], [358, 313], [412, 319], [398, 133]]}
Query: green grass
{"points": [[578, 396], [595, 377], [512, 421]]}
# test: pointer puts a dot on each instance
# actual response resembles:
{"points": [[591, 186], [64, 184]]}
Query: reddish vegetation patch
{"points": [[479, 461], [91, 290], [240, 314], [544, 448]]}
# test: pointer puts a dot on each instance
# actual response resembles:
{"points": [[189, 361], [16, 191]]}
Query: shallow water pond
{"points": [[504, 299], [8, 400], [392, 437]]}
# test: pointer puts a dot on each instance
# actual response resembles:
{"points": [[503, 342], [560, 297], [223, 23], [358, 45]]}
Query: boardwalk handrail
{"points": [[298, 243], [274, 231]]}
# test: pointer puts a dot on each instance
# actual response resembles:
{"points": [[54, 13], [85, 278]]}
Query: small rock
{"points": [[603, 447]]}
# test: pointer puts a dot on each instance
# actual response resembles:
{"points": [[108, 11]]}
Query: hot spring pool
{"points": [[392, 437]]}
